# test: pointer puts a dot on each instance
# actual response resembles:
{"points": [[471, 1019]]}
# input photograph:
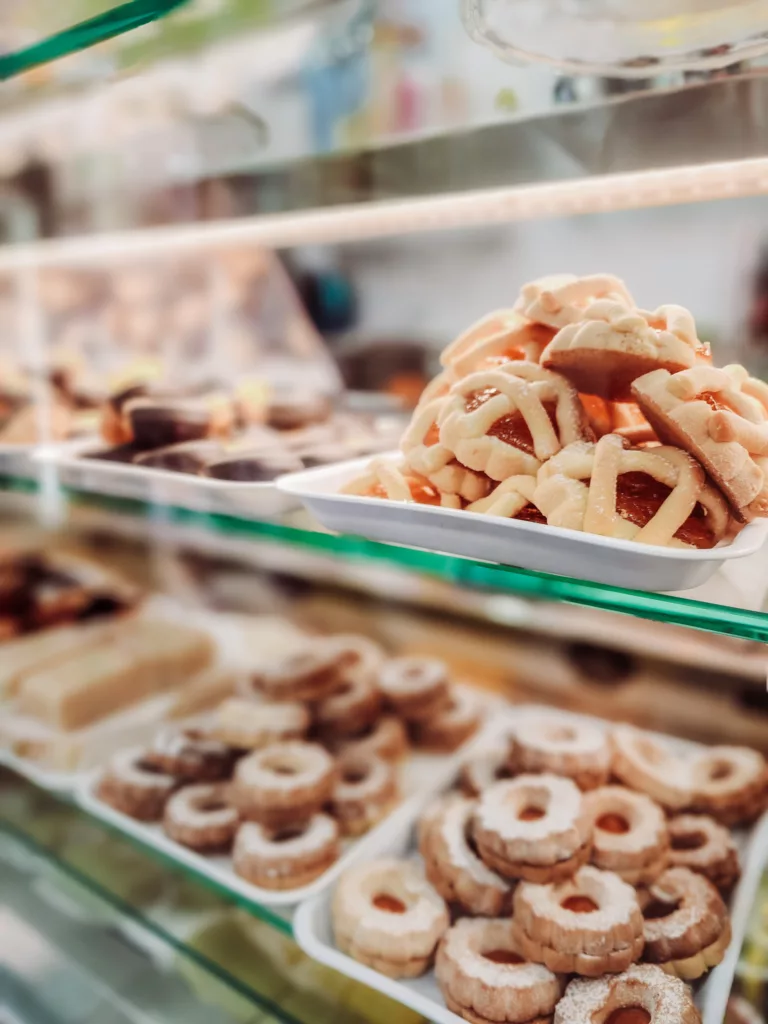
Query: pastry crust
{"points": [[720, 416], [613, 345], [562, 299], [590, 924], [551, 743], [387, 915], [246, 725], [630, 834], [581, 488], [512, 402], [693, 931], [483, 975], [383, 479], [499, 337], [642, 987]]}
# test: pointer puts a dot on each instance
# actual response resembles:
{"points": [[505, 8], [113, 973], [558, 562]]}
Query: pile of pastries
{"points": [[577, 875], [576, 409], [241, 434], [306, 754]]}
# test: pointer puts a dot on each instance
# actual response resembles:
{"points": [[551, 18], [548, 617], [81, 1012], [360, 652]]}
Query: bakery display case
{"points": [[383, 438]]}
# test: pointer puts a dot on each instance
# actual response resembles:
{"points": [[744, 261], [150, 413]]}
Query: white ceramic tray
{"points": [[161, 486], [619, 563], [313, 929], [421, 776]]}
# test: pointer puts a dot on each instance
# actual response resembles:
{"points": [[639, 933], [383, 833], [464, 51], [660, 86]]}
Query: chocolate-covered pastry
{"points": [[253, 467], [189, 457], [120, 453], [156, 424], [293, 413]]}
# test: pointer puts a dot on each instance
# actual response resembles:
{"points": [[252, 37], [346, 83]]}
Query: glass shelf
{"points": [[240, 967], [701, 608]]}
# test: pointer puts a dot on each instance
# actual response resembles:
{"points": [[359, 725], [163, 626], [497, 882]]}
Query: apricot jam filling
{"points": [[639, 497], [511, 429]]}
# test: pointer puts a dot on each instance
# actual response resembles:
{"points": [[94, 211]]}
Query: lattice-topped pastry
{"points": [[382, 479], [511, 499], [612, 345], [624, 418], [650, 495], [721, 417], [508, 421], [500, 337], [428, 457], [562, 299]]}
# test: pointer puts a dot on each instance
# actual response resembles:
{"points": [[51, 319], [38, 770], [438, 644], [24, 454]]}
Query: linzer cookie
{"points": [[650, 495], [550, 743], [643, 994], [287, 857], [730, 784], [702, 844], [590, 924], [201, 818], [283, 784], [721, 418], [484, 975], [510, 420], [642, 763], [630, 834], [366, 791], [603, 353]]}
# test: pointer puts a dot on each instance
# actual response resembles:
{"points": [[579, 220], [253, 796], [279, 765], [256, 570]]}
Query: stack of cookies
{"points": [[306, 754], [568, 852], [576, 409]]}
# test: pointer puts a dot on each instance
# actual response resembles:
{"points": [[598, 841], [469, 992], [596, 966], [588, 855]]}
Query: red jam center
{"points": [[530, 814], [503, 956], [639, 497], [390, 904], [657, 909], [688, 841], [629, 1015], [511, 429], [580, 905], [614, 823]]}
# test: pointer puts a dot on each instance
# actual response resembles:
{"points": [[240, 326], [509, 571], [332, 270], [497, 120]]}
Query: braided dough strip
{"points": [[520, 388], [731, 442], [566, 501]]}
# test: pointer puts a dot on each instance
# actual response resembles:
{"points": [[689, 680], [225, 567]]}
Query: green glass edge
{"points": [[126, 910], [712, 618], [86, 33]]}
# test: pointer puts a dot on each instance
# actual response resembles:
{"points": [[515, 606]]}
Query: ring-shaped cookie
{"points": [[387, 915], [365, 792], [482, 770], [730, 784], [687, 928], [283, 783], [385, 738], [354, 706], [201, 817], [642, 763], [453, 867], [701, 844], [630, 837], [643, 994], [533, 827], [448, 727], [485, 977], [247, 725], [415, 687], [191, 752], [506, 422], [550, 743], [589, 924], [286, 858], [135, 786], [308, 674]]}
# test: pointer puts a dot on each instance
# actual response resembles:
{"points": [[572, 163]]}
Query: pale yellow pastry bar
{"points": [[37, 651], [140, 659]]}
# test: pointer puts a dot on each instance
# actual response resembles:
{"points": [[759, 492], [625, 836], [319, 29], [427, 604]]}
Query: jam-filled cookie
{"points": [[513, 498], [482, 770], [385, 738], [687, 929], [484, 975], [288, 857], [614, 345], [508, 421], [590, 924], [201, 817], [549, 743], [353, 707], [721, 418], [192, 753], [730, 784], [630, 837], [310, 674], [388, 916], [533, 827], [642, 763], [283, 783], [451, 725], [702, 844], [384, 479], [135, 786], [455, 869], [246, 725], [648, 495], [415, 688], [366, 791], [643, 994]]}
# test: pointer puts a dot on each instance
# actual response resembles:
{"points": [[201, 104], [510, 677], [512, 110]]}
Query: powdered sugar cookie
{"points": [[642, 763], [415, 687], [550, 743], [643, 994], [447, 728], [286, 858], [192, 753], [485, 977], [385, 738], [482, 770], [246, 725], [386, 915], [309, 674], [201, 817], [730, 784], [630, 836], [283, 784], [721, 418], [701, 844], [135, 786], [366, 791]]}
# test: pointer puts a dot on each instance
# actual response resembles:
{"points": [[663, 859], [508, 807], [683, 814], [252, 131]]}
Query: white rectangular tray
{"points": [[314, 934], [619, 563], [161, 486], [421, 775], [18, 460]]}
